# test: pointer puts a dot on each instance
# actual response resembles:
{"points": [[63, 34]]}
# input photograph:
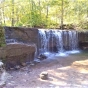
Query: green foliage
{"points": [[44, 13], [83, 24], [2, 38]]}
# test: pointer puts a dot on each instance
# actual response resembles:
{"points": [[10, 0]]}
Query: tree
{"points": [[44, 13], [62, 12], [12, 12]]}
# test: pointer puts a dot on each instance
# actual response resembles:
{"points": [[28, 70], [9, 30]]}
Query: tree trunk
{"points": [[46, 13], [40, 6], [3, 14], [62, 12], [12, 12], [0, 16]]}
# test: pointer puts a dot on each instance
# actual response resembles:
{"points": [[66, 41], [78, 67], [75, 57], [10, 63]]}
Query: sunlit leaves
{"points": [[45, 13]]}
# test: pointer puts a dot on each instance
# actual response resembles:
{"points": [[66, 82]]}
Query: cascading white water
{"points": [[73, 40], [48, 38], [43, 41], [59, 40]]}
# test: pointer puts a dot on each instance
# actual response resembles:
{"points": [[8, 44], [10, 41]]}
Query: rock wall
{"points": [[83, 39], [20, 34], [83, 36], [20, 46], [17, 54]]}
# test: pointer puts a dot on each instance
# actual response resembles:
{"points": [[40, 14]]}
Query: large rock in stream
{"points": [[17, 53]]}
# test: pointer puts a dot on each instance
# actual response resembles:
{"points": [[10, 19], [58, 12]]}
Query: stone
{"points": [[36, 61], [32, 64], [23, 64], [17, 53], [2, 68], [44, 75], [11, 68], [17, 67], [42, 57], [22, 34], [1, 64], [83, 45], [2, 75]]}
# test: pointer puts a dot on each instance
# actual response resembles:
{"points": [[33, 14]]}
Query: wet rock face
{"points": [[83, 40], [17, 54], [83, 45], [20, 34], [83, 36], [42, 57]]}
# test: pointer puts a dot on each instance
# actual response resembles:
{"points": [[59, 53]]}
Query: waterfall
{"points": [[46, 40], [43, 41], [73, 40], [57, 40]]}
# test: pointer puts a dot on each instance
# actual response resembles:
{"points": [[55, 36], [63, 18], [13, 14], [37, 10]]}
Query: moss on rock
{"points": [[2, 37]]}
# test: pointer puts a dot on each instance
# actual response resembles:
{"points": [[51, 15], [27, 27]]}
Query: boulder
{"points": [[17, 54], [44, 75], [42, 57]]}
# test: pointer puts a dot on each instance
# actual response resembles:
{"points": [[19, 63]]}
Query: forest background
{"points": [[44, 13]]}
